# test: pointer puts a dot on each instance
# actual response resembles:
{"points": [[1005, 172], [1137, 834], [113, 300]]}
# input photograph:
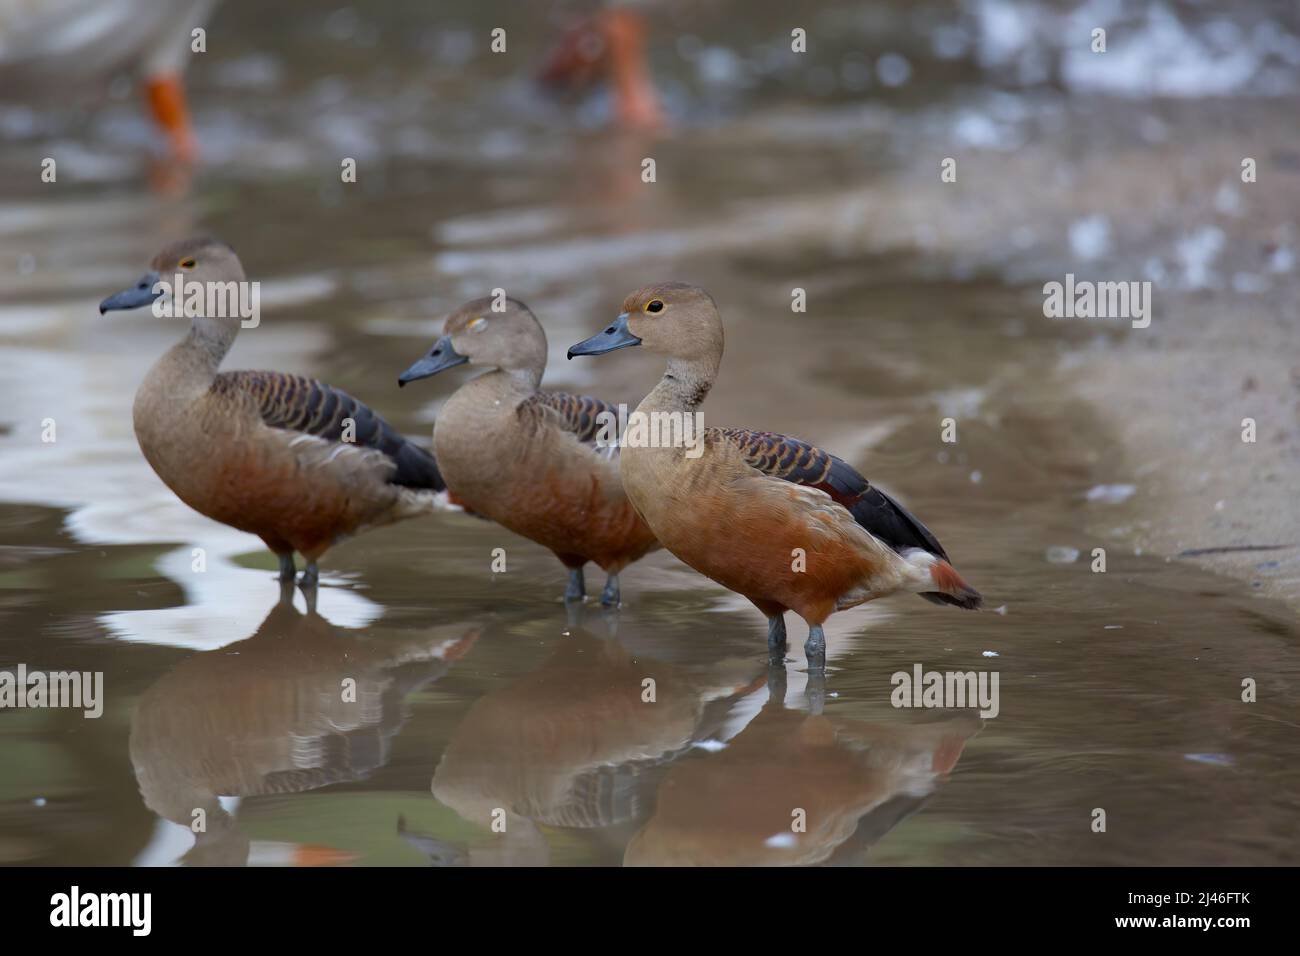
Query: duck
{"points": [[529, 459], [295, 461], [778, 520], [55, 44]]}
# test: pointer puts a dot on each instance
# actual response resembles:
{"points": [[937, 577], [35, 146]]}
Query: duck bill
{"points": [[441, 357], [617, 336], [142, 293]]}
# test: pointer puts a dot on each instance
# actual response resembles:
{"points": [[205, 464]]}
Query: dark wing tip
{"points": [[416, 467], [893, 524]]}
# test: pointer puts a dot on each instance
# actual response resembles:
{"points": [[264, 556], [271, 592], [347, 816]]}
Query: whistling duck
{"points": [[58, 43], [783, 523], [609, 44], [292, 460], [529, 459]]}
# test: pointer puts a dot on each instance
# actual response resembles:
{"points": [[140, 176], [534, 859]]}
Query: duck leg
{"points": [[286, 592], [610, 596], [577, 589], [167, 100], [310, 576], [776, 639], [287, 569], [815, 648]]}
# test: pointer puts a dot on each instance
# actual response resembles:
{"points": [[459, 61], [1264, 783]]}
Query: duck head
{"points": [[201, 260], [511, 340], [672, 319]]}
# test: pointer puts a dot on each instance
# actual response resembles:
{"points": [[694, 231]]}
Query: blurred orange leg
{"points": [[167, 100], [635, 98]]}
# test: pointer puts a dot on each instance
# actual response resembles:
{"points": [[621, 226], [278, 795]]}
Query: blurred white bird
{"points": [[48, 46]]}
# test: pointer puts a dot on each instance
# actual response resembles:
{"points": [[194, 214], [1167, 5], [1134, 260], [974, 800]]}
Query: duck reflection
{"points": [[297, 706], [850, 781], [579, 743]]}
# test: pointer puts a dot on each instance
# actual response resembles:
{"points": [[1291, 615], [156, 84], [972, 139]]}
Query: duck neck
{"points": [[497, 389], [684, 386], [527, 380], [519, 382], [200, 353]]}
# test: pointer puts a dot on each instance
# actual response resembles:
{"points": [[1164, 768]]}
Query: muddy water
{"points": [[479, 698]]}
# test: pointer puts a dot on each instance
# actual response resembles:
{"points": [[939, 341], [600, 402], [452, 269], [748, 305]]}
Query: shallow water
{"points": [[479, 696]]}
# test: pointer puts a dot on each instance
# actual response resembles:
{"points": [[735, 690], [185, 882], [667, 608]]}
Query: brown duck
{"points": [[292, 460], [787, 525], [529, 459]]}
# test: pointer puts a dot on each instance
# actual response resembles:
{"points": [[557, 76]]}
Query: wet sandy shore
{"points": [[1148, 193]]}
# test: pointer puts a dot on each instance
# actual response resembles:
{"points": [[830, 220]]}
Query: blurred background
{"points": [[774, 170]]}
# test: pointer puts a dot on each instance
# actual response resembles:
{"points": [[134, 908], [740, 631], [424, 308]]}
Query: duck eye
{"points": [[187, 263], [478, 325], [654, 305]]}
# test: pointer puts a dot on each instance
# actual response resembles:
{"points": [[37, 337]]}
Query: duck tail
{"points": [[951, 588]]}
